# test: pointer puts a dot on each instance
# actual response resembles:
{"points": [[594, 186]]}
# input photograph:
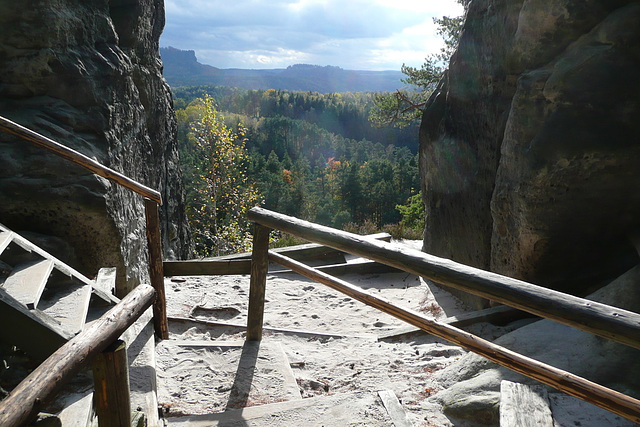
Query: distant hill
{"points": [[181, 68]]}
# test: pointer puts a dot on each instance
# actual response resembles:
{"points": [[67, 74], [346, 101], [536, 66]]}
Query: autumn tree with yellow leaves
{"points": [[223, 192]]}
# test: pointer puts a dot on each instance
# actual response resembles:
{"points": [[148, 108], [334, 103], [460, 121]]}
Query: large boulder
{"points": [[473, 383], [88, 74], [528, 146]]}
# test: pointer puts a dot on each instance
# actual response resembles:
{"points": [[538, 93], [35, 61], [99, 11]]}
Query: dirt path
{"points": [[353, 359]]}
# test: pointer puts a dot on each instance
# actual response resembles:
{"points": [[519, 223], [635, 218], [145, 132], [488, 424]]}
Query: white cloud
{"points": [[434, 8], [354, 34]]}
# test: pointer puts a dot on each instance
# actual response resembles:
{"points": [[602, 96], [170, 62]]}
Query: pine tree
{"points": [[404, 107]]}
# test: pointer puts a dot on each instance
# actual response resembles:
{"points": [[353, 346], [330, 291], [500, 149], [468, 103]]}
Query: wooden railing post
{"points": [[258, 281], [111, 386], [154, 243]]}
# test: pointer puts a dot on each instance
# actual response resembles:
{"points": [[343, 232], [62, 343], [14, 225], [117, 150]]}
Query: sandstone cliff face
{"points": [[529, 147], [88, 74]]}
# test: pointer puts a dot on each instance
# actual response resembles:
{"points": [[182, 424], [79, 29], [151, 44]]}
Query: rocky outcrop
{"points": [[88, 74], [473, 383], [528, 146]]}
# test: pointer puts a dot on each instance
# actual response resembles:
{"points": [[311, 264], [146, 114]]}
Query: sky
{"points": [[352, 34]]}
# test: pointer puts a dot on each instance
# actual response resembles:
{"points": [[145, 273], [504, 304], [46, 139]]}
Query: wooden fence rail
{"points": [[30, 396], [600, 319], [610, 322], [567, 382]]}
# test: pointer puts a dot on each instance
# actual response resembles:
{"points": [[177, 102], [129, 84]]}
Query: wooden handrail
{"points": [[30, 396], [600, 319], [152, 199], [567, 382], [583, 314], [88, 163]]}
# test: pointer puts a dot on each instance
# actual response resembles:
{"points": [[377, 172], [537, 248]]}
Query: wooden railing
{"points": [[152, 199], [30, 396], [610, 322]]}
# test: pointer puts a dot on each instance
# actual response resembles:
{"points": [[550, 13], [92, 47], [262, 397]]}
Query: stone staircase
{"points": [[46, 302]]}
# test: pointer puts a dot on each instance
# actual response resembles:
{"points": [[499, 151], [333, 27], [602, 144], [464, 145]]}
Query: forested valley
{"points": [[310, 155]]}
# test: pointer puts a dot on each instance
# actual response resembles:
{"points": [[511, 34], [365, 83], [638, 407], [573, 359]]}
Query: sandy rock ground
{"points": [[351, 359]]}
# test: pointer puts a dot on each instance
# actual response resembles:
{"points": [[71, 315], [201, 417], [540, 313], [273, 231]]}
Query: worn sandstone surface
{"points": [[88, 74], [529, 147], [529, 159]]}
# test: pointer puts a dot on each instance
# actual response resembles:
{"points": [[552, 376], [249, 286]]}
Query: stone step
{"points": [[5, 239], [47, 299], [62, 304], [31, 330], [78, 409], [363, 408], [67, 301], [236, 374], [26, 282]]}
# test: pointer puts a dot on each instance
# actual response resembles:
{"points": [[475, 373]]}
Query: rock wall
{"points": [[528, 147], [88, 74], [471, 385]]}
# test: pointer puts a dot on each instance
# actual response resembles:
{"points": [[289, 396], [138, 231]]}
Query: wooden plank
{"points": [[242, 266], [26, 283], [394, 408], [360, 408], [524, 405], [106, 280], [31, 395], [258, 281], [207, 267], [78, 158], [111, 384], [368, 267], [501, 313], [154, 243], [307, 251], [609, 322], [567, 382], [270, 328]]}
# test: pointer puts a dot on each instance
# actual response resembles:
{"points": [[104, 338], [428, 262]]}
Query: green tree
{"points": [[224, 192], [412, 212], [405, 106]]}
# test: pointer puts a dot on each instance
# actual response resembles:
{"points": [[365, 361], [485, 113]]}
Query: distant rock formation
{"points": [[529, 146], [183, 69], [88, 74]]}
